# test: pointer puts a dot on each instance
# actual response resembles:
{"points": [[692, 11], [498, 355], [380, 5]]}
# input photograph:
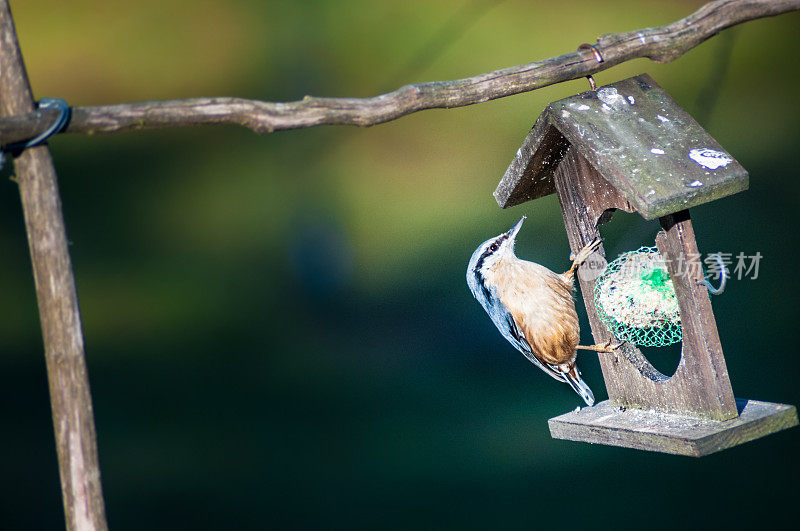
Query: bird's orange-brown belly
{"points": [[556, 346], [552, 329]]}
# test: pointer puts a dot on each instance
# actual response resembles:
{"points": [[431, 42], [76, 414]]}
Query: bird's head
{"points": [[488, 254]]}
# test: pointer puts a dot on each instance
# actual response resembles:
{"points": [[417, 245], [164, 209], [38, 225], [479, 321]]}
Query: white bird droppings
{"points": [[657, 151], [662, 118], [695, 184], [610, 96], [709, 158]]}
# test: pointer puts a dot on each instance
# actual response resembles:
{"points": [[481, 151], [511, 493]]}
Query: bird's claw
{"points": [[604, 347], [587, 250], [608, 347]]}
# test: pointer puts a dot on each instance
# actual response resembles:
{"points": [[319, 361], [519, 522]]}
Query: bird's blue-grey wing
{"points": [[507, 325]]}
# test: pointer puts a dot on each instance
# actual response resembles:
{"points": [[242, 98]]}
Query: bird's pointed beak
{"points": [[515, 229]]}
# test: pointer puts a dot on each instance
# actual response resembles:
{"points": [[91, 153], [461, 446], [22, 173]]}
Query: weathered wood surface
{"points": [[607, 423], [638, 138], [661, 44], [701, 380], [530, 174], [700, 386], [73, 417]]}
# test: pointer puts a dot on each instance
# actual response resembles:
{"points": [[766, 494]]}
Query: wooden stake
{"points": [[70, 399]]}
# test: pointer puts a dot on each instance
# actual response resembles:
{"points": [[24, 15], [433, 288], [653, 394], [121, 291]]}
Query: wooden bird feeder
{"points": [[629, 146]]}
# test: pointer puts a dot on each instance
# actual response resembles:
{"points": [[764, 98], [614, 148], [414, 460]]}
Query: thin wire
{"points": [[462, 20], [709, 94], [597, 57]]}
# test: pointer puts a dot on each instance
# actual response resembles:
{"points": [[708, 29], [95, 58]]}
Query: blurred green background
{"points": [[278, 330]]}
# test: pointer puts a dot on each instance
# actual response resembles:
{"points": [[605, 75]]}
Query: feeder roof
{"points": [[637, 138]]}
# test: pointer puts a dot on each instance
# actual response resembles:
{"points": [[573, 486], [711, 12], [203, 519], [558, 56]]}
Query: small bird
{"points": [[533, 307]]}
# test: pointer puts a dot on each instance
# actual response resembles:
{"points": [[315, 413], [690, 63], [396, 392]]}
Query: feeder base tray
{"points": [[609, 424]]}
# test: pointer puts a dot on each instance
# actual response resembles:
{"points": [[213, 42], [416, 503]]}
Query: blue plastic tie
{"points": [[64, 115], [723, 277]]}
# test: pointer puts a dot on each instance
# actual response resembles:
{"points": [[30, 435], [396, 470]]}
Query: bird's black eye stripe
{"points": [[496, 245], [479, 264], [492, 249]]}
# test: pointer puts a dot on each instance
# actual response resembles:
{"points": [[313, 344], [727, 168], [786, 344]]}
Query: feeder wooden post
{"points": [[629, 146]]}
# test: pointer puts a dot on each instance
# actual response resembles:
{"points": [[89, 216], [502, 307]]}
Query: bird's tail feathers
{"points": [[573, 378]]}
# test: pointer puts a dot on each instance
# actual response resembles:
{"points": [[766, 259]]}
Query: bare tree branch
{"points": [[661, 44]]}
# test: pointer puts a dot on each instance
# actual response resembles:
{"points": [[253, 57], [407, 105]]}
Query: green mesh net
{"points": [[636, 300]]}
